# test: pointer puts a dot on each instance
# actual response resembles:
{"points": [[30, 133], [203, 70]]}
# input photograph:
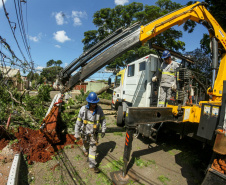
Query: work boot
{"points": [[95, 170]]}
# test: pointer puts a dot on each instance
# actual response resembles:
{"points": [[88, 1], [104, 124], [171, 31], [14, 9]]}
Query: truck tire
{"points": [[120, 122]]}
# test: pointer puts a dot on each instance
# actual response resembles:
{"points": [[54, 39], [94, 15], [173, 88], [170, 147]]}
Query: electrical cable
{"points": [[21, 28], [6, 14], [24, 32]]}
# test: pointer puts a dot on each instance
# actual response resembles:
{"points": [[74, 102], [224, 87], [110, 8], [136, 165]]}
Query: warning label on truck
{"points": [[186, 114], [215, 111], [206, 110]]}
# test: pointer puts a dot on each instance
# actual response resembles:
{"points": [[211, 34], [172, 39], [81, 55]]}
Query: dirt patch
{"points": [[35, 145], [5, 137]]}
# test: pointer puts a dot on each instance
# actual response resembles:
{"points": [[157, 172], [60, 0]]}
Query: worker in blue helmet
{"points": [[167, 73], [90, 119]]}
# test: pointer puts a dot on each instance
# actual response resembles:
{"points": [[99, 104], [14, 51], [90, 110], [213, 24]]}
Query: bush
{"points": [[81, 97], [44, 92], [106, 96]]}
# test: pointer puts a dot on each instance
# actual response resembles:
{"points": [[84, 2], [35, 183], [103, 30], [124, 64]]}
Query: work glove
{"points": [[102, 134], [174, 87], [154, 79]]}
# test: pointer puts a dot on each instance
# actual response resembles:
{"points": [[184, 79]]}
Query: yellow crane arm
{"points": [[198, 13], [195, 12]]}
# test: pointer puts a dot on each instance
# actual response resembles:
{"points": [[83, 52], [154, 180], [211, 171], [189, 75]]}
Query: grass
{"points": [[143, 163], [114, 165], [78, 157], [117, 134], [103, 179], [67, 147], [13, 142], [163, 179], [54, 157]]}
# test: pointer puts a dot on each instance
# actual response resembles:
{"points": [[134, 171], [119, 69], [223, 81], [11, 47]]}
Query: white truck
{"points": [[134, 87]]}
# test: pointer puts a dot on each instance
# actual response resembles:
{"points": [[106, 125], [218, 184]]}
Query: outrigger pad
{"points": [[118, 179]]}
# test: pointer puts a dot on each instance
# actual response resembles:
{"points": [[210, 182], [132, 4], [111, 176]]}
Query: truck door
{"points": [[140, 95], [136, 83]]}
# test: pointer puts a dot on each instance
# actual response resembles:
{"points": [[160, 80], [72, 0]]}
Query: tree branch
{"points": [[15, 99]]}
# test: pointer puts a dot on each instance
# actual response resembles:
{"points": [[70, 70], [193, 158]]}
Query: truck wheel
{"points": [[120, 122]]}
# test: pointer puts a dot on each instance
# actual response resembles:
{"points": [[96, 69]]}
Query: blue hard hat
{"points": [[92, 98], [166, 54]]}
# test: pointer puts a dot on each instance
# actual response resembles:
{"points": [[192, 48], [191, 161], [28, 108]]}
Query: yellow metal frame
{"points": [[192, 113]]}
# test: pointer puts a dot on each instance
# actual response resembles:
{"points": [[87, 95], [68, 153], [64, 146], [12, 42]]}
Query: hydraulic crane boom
{"points": [[122, 40]]}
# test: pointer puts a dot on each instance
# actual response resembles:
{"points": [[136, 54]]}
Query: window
{"points": [[142, 66], [117, 80], [131, 70]]}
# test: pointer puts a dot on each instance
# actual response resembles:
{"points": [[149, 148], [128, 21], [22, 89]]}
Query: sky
{"points": [[55, 28]]}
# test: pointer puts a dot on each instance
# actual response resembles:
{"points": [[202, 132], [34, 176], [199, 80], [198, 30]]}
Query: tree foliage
{"points": [[108, 20], [53, 62], [50, 73], [202, 65]]}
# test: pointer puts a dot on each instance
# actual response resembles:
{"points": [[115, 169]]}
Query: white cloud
{"points": [[60, 18], [1, 3], [77, 21], [76, 16], [39, 68], [63, 18], [61, 36], [57, 46], [79, 14], [121, 2], [35, 38]]}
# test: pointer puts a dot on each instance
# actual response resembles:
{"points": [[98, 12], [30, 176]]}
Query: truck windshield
{"points": [[117, 80]]}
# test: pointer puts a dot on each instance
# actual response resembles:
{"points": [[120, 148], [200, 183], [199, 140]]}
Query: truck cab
{"points": [[134, 87]]}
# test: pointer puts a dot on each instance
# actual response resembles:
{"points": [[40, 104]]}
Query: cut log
{"points": [[103, 89], [103, 101]]}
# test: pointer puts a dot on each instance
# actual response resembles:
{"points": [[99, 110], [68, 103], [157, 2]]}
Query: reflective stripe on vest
{"points": [[92, 156], [96, 118], [90, 122], [168, 73], [161, 102]]}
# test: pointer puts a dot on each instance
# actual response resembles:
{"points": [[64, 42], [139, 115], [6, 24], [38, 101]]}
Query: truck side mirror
{"points": [[109, 81]]}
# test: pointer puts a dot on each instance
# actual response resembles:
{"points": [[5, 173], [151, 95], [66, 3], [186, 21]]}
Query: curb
{"points": [[14, 171]]}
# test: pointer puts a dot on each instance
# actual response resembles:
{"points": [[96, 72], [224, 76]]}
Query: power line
{"points": [[6, 45], [22, 21], [13, 32], [21, 26]]}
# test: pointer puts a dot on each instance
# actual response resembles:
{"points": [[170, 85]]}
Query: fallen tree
{"points": [[108, 102]]}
